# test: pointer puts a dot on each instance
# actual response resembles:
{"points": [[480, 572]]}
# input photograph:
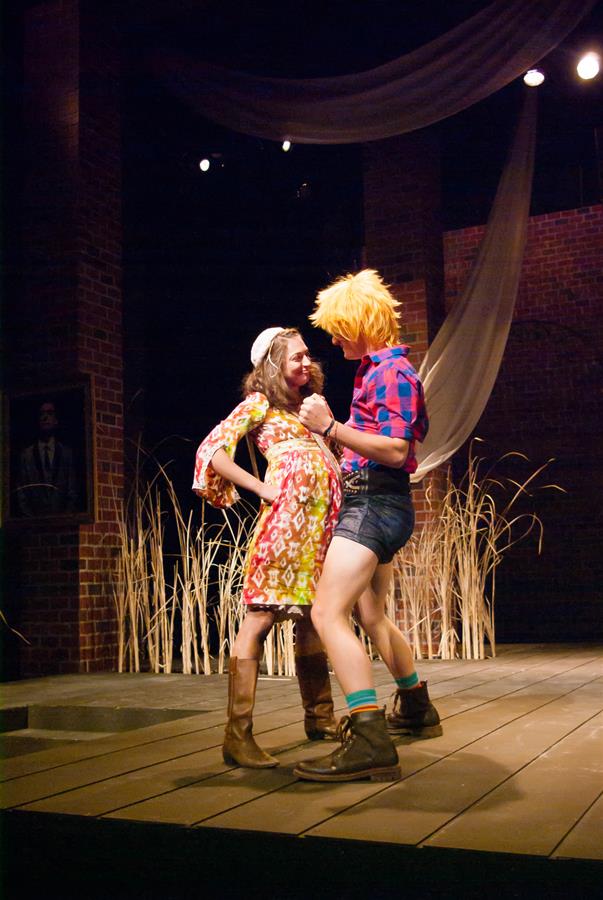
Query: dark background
{"points": [[211, 259]]}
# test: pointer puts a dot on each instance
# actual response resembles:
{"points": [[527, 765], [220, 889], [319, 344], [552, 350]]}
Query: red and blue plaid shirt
{"points": [[388, 399]]}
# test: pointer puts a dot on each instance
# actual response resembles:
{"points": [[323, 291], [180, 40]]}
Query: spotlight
{"points": [[589, 66], [204, 165], [286, 145], [533, 77]]}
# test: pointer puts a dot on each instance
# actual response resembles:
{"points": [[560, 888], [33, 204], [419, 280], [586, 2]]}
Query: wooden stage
{"points": [[509, 799]]}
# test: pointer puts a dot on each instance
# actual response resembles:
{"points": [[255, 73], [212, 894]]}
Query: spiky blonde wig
{"points": [[359, 306]]}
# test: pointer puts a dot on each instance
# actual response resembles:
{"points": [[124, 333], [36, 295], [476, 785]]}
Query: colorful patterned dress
{"points": [[290, 542]]}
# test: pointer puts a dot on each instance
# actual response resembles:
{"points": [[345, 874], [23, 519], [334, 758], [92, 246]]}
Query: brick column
{"points": [[403, 241], [67, 320]]}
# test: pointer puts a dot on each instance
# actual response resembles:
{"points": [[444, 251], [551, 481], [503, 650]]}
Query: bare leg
{"points": [[252, 634], [413, 712], [367, 750], [389, 640], [348, 570]]}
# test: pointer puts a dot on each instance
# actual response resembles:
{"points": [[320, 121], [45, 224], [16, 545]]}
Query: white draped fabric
{"points": [[462, 363], [437, 80]]}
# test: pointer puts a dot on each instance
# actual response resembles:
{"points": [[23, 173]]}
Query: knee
{"points": [[258, 624], [318, 618], [370, 622], [306, 637]]}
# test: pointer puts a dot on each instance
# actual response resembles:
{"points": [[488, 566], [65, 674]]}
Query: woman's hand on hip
{"points": [[268, 493]]}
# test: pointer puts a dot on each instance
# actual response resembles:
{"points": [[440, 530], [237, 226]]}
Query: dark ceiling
{"points": [[313, 38]]}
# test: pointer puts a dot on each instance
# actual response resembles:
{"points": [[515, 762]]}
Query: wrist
{"points": [[329, 427]]}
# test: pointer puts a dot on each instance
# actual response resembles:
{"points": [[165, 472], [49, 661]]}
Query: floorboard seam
{"points": [[576, 823]]}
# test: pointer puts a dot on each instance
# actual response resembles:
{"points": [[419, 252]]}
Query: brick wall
{"points": [[99, 338], [402, 218], [403, 241], [547, 402], [65, 320]]}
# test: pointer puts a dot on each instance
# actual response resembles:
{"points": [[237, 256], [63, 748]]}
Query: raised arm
{"points": [[388, 451]]}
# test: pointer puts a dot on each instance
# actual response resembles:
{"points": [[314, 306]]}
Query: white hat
{"points": [[261, 345]]}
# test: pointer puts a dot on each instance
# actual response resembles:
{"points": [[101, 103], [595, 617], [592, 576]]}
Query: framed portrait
{"points": [[49, 468]]}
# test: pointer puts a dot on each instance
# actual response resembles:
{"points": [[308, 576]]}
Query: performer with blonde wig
{"points": [[387, 418]]}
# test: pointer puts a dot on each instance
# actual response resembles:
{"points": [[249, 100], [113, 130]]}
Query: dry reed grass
{"points": [[161, 597], [444, 579]]}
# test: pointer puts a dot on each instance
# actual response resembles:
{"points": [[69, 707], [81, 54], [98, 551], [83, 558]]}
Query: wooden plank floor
{"points": [[518, 769]]}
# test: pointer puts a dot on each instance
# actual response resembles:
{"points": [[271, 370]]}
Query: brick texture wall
{"points": [[547, 403], [66, 320], [402, 220], [403, 241]]}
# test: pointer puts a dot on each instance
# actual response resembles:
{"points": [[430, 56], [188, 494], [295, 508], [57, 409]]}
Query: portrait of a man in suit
{"points": [[47, 476]]}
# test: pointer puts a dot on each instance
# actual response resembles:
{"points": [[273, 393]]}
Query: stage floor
{"points": [[518, 771]]}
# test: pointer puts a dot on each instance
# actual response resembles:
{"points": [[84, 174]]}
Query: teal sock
{"points": [[360, 701], [410, 681]]}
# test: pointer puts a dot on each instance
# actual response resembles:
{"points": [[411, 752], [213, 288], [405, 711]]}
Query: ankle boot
{"points": [[366, 751], [414, 713], [239, 745], [317, 700]]}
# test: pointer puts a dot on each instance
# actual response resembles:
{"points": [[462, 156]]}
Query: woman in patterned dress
{"points": [[301, 496]]}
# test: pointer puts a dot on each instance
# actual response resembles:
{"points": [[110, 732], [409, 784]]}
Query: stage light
{"points": [[588, 67], [204, 165], [533, 77], [286, 145]]}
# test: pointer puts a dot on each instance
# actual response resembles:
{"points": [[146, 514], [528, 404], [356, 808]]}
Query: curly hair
{"points": [[359, 305], [267, 377]]}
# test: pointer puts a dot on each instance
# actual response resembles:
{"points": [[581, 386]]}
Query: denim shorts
{"points": [[381, 522]]}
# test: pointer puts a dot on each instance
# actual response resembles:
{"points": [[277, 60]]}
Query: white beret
{"points": [[261, 345]]}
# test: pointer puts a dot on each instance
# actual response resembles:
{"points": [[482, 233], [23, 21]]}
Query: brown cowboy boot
{"points": [[317, 700], [367, 751], [239, 745], [414, 713]]}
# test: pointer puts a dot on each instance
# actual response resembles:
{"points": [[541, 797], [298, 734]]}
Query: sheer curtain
{"points": [[437, 80]]}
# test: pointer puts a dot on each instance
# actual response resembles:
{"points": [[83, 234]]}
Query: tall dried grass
{"points": [[162, 596], [444, 579]]}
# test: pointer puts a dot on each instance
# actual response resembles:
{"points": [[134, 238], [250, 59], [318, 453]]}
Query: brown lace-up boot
{"points": [[239, 745], [315, 690], [366, 751], [414, 713]]}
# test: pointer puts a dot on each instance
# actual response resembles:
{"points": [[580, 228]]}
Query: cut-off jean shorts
{"points": [[381, 522]]}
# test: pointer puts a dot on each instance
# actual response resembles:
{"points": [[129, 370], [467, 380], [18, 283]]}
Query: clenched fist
{"points": [[315, 413]]}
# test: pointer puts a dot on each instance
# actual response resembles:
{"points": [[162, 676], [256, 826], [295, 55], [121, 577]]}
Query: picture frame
{"points": [[49, 459]]}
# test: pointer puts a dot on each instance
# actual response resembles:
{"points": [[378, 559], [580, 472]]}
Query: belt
{"points": [[290, 444], [376, 481]]}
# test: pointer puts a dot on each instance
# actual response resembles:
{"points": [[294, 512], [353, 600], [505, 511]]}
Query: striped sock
{"points": [[410, 681], [362, 701]]}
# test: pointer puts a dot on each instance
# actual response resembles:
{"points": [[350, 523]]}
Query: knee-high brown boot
{"points": [[317, 700], [239, 745]]}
